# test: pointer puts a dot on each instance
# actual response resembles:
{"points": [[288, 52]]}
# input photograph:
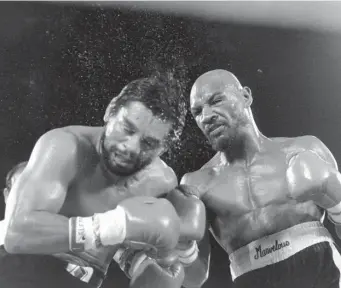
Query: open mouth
{"points": [[120, 159], [215, 129]]}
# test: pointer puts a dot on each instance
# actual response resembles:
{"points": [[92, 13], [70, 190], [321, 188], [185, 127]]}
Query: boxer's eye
{"points": [[196, 112], [216, 101], [128, 130]]}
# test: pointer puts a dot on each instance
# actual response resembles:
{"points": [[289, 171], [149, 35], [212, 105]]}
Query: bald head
{"points": [[215, 80], [219, 100]]}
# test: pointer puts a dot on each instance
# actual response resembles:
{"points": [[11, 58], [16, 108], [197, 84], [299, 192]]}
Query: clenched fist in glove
{"points": [[192, 213], [139, 221], [146, 272]]}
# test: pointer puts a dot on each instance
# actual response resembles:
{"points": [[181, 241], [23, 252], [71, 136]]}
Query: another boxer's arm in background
{"points": [[32, 220], [197, 273]]}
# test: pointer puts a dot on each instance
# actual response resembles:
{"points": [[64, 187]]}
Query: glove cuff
{"points": [[334, 214], [189, 254], [102, 229]]}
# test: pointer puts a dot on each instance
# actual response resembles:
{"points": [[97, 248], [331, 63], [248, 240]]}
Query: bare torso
{"points": [[250, 201], [91, 192]]}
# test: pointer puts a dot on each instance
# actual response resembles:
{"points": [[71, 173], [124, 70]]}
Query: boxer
{"points": [[265, 196], [88, 191]]}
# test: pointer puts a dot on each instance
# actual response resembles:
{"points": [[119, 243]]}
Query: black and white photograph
{"points": [[170, 144]]}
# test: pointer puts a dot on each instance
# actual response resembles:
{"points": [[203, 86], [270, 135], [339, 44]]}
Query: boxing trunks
{"points": [[303, 256], [41, 271]]}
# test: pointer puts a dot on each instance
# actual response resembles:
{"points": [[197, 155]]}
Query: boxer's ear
{"points": [[247, 93]]}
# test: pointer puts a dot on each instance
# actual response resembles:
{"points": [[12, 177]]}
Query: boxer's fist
{"points": [[132, 260], [152, 275], [191, 210], [151, 222]]}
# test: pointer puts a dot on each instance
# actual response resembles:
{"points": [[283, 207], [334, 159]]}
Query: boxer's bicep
{"points": [[33, 224], [44, 182]]}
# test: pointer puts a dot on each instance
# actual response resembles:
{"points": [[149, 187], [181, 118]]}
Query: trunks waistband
{"points": [[31, 267], [277, 247]]}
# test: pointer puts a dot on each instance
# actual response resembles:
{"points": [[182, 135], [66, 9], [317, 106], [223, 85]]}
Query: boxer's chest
{"points": [[94, 194], [243, 188]]}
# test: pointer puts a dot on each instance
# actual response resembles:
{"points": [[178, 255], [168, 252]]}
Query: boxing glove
{"points": [[191, 210], [311, 178], [152, 275], [130, 260], [192, 213], [139, 222]]}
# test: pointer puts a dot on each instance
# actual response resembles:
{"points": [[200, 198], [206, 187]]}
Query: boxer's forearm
{"points": [[38, 233]]}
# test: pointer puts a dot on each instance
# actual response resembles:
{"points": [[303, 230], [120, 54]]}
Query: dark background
{"points": [[61, 65]]}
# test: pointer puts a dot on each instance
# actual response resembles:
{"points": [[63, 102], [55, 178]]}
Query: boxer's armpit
{"points": [[32, 223]]}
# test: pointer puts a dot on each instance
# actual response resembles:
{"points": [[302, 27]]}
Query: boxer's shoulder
{"points": [[78, 138], [58, 140], [60, 145], [310, 144]]}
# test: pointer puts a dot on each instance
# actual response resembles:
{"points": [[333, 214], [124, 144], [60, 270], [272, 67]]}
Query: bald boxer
{"points": [[265, 196], [88, 191]]}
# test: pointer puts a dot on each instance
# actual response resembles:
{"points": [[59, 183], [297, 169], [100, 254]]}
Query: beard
{"points": [[118, 169], [225, 140]]}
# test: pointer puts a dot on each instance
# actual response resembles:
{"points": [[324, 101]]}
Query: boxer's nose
{"points": [[207, 115], [131, 146]]}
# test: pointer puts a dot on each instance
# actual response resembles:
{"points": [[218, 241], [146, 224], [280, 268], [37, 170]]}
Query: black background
{"points": [[61, 65]]}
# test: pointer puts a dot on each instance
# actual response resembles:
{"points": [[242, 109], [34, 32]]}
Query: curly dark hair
{"points": [[162, 94]]}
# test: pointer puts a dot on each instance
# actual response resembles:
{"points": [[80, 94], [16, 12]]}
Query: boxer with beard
{"points": [[265, 196], [86, 192]]}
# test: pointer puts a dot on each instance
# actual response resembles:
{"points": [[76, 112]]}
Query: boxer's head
{"points": [[221, 107], [140, 123], [12, 176]]}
